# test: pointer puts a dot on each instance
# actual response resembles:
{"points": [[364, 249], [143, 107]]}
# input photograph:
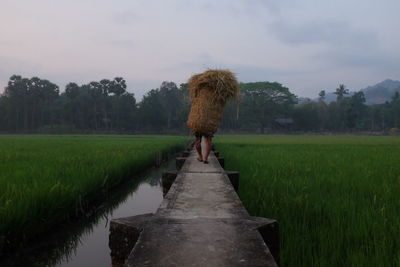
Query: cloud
{"points": [[301, 43], [341, 43], [251, 73], [195, 63], [125, 17], [330, 32], [121, 43]]}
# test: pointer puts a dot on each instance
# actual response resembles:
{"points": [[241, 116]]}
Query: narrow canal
{"points": [[85, 242]]}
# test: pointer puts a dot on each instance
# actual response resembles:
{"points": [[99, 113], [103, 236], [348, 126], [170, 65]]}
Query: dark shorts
{"points": [[199, 135]]}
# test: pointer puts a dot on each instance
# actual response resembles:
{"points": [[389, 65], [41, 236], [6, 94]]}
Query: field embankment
{"points": [[336, 198], [46, 179]]}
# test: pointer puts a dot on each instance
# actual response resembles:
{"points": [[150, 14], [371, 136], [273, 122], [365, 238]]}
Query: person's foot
{"points": [[199, 159], [205, 162]]}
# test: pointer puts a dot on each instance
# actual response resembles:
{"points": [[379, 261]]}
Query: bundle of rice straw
{"points": [[209, 92]]}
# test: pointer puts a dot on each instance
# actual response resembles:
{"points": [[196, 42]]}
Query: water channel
{"points": [[85, 242]]}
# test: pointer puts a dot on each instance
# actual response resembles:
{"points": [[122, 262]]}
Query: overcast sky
{"points": [[307, 45]]}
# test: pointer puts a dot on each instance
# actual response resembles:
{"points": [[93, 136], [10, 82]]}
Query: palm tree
{"points": [[340, 92], [322, 95]]}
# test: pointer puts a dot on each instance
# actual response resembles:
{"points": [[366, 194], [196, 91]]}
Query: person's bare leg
{"points": [[197, 144], [207, 148]]}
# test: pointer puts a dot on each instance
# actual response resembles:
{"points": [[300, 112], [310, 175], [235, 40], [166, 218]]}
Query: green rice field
{"points": [[46, 179], [337, 198]]}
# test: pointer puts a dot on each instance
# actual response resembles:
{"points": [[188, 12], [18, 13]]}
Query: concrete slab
{"points": [[200, 242], [195, 195], [201, 222], [193, 165]]}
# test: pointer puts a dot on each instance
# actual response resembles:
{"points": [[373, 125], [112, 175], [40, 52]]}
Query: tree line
{"points": [[34, 105], [347, 113]]}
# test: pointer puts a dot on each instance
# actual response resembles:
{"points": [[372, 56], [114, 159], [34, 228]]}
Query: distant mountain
{"points": [[381, 92]]}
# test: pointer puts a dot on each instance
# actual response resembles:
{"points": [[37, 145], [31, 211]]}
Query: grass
{"points": [[337, 198], [46, 179]]}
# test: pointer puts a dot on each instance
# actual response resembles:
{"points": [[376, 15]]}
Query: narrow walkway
{"points": [[201, 222]]}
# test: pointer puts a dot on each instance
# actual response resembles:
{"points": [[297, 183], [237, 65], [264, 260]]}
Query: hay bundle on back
{"points": [[210, 91]]}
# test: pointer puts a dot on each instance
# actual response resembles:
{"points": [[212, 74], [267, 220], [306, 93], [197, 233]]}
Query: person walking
{"points": [[208, 145], [209, 91]]}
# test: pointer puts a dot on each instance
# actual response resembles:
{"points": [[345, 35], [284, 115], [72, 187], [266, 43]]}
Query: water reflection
{"points": [[85, 242]]}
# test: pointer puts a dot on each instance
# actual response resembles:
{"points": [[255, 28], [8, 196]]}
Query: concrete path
{"points": [[201, 222]]}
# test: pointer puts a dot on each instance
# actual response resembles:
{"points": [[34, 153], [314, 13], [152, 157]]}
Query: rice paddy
{"points": [[46, 179], [336, 197]]}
